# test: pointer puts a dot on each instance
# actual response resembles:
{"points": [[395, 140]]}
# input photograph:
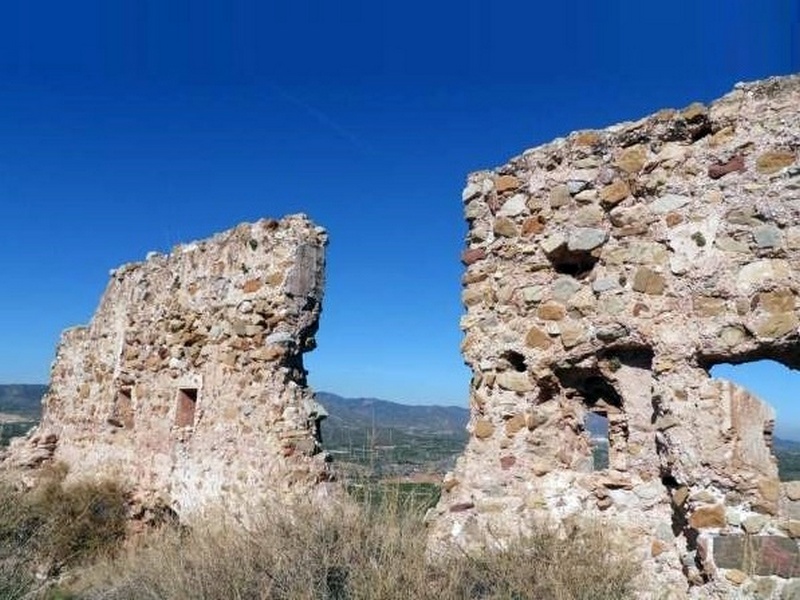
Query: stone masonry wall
{"points": [[188, 384], [606, 272]]}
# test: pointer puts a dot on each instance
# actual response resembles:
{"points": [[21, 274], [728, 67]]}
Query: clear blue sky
{"points": [[130, 126]]}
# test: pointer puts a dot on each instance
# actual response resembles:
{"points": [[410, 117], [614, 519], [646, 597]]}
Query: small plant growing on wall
{"points": [[699, 238]]}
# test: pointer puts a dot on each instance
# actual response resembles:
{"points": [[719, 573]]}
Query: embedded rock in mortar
{"points": [[664, 247], [188, 384]]}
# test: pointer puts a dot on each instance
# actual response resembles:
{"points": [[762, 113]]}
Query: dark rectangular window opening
{"points": [[186, 405], [122, 409]]}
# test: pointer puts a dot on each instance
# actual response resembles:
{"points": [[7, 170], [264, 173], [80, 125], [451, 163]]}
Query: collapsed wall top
{"points": [[188, 383], [606, 272]]}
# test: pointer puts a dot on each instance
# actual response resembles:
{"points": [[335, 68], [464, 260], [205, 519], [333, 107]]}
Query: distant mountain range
{"points": [[360, 413], [786, 445], [22, 399], [392, 439]]}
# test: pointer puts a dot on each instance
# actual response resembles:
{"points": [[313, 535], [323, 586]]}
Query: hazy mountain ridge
{"points": [[365, 412], [390, 438], [22, 399], [20, 409], [787, 445]]}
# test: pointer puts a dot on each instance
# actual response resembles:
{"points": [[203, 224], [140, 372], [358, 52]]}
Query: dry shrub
{"points": [[16, 551], [375, 551], [80, 522], [577, 564], [52, 527]]}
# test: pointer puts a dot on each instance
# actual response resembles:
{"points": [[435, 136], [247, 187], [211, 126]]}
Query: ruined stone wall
{"points": [[188, 384], [606, 272]]}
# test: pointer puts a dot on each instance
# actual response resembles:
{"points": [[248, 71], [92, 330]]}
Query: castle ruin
{"points": [[606, 273], [188, 384]]}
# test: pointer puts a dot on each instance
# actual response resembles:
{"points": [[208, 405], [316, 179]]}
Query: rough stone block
{"points": [[758, 554]]}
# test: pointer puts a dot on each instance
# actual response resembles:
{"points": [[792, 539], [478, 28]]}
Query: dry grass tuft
{"points": [[373, 551], [53, 527]]}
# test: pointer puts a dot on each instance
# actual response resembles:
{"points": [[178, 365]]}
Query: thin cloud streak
{"points": [[322, 118]]}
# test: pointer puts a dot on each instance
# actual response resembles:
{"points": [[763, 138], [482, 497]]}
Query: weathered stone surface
{"points": [[514, 206], [777, 301], [736, 576], [588, 216], [605, 284], [791, 591], [515, 381], [792, 527], [506, 462], [648, 281], [472, 255], [763, 588], [773, 161], [615, 192], [552, 243], [761, 272], [768, 488], [483, 429], [533, 293], [514, 424], [706, 306], [760, 555], [586, 238], [506, 183], [537, 338], [632, 159], [708, 517], [732, 165], [587, 138], [669, 203], [773, 325], [663, 248], [586, 197], [572, 334], [792, 235], [731, 245], [754, 524], [792, 490], [533, 226], [559, 196], [564, 288], [504, 226], [188, 385], [767, 236], [551, 311], [461, 507]]}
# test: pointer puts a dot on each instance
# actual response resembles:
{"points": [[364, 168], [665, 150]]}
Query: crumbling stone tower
{"points": [[606, 273], [188, 384]]}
